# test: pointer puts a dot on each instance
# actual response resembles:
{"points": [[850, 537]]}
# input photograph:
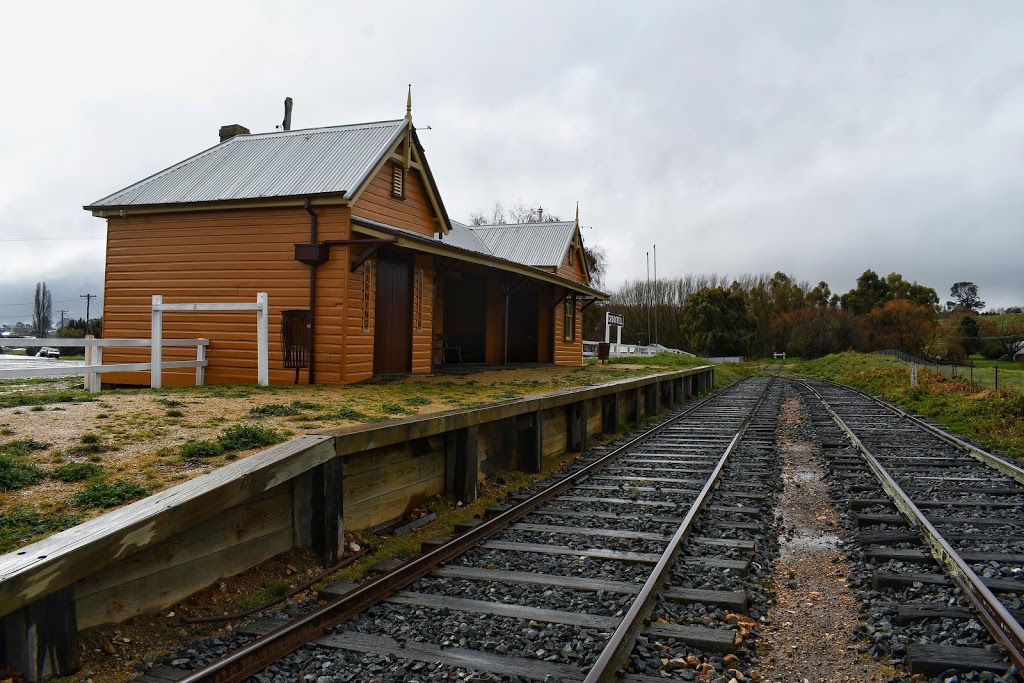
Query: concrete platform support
{"points": [[462, 461], [41, 639]]}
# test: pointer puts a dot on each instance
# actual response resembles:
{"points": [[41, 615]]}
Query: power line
{"points": [[49, 239]]}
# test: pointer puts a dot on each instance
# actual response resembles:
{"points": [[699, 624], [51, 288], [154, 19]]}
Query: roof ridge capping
{"points": [[316, 129]]}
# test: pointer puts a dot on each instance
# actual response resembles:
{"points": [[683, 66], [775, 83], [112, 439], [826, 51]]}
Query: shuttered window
{"points": [[397, 181]]}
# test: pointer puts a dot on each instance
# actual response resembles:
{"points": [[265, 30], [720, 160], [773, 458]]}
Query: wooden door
{"points": [[392, 338], [522, 327]]}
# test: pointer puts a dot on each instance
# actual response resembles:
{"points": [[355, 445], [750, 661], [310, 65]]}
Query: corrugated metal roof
{"points": [[533, 244], [462, 236], [498, 262], [331, 160]]}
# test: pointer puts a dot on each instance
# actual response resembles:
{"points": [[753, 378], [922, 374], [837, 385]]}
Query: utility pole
{"points": [[88, 300], [648, 297], [62, 319], [656, 288]]}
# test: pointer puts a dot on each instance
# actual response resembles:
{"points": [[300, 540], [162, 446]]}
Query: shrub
{"points": [[195, 448], [77, 471], [242, 437], [15, 474], [103, 495]]}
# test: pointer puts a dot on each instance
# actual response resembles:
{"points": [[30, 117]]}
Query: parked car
{"points": [[48, 352]]}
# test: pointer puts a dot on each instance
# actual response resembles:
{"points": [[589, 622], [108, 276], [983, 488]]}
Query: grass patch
{"points": [[274, 410], [174, 412], [20, 526], [993, 418], [103, 495], [350, 414], [77, 471], [243, 437], [89, 443], [15, 474], [22, 447], [42, 397], [416, 401], [205, 448], [394, 409]]}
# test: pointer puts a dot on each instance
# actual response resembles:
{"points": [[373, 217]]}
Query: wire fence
{"points": [[1008, 378]]}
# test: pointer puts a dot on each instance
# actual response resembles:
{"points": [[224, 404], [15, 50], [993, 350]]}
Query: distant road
{"points": [[9, 362]]}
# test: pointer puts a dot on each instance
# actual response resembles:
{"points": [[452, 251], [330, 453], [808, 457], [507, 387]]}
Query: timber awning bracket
{"points": [[317, 253]]}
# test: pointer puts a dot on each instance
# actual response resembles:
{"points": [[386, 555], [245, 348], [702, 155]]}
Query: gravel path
{"points": [[811, 638]]}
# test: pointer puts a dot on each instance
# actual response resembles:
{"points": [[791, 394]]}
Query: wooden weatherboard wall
{"points": [[303, 493]]}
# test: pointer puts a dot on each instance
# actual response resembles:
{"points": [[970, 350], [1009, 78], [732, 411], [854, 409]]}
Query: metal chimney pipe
{"points": [[287, 123]]}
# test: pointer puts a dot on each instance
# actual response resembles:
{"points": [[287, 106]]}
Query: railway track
{"points": [[634, 562], [941, 523]]}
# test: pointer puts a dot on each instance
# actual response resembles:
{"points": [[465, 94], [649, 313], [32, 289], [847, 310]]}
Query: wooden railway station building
{"points": [[345, 229]]}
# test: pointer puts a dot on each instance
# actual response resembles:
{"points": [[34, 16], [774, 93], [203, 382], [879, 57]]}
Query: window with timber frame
{"points": [[570, 316]]}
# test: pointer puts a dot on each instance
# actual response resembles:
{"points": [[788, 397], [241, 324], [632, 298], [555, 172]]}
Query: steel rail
{"points": [[1004, 629], [265, 650], [1011, 470], [607, 667]]}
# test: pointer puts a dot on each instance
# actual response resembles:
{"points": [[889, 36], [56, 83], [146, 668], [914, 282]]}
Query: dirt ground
{"points": [[810, 639]]}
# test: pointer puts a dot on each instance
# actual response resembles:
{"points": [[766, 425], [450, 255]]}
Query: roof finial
{"points": [[408, 105], [577, 213]]}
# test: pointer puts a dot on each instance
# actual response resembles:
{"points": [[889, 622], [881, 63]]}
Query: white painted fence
{"points": [[94, 367], [261, 306]]}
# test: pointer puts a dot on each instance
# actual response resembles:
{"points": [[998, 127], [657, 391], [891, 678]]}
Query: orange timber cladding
{"points": [[229, 255]]}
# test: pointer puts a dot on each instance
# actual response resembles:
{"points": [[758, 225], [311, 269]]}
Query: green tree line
{"points": [[757, 315]]}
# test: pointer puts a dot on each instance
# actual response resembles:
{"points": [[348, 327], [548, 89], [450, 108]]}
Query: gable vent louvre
{"points": [[397, 181]]}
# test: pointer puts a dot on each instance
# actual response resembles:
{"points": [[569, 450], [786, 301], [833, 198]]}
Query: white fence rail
{"points": [[624, 350], [261, 306], [94, 367]]}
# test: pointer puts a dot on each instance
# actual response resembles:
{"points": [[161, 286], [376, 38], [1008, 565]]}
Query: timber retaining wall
{"points": [[303, 493]]}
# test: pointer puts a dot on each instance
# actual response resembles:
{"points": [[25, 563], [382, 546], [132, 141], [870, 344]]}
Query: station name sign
{"points": [[614, 319]]}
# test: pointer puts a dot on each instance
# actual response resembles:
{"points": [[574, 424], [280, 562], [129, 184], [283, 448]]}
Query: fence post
{"points": [[90, 377], [201, 357], [156, 342], [262, 340]]}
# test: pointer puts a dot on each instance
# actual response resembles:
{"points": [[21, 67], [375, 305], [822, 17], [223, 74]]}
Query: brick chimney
{"points": [[231, 130]]}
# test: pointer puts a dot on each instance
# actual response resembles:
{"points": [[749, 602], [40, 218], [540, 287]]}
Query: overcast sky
{"points": [[816, 138]]}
